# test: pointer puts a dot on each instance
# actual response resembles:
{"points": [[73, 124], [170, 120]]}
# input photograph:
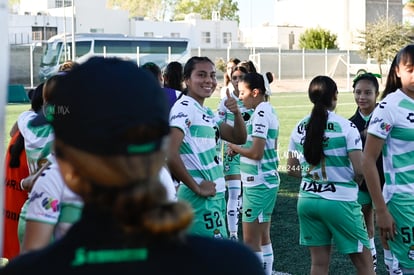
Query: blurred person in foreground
{"points": [[128, 225]]}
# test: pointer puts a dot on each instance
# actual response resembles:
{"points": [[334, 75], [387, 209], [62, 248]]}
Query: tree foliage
{"points": [[318, 38], [228, 9], [383, 39]]}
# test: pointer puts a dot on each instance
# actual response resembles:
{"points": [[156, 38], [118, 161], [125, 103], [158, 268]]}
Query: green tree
{"points": [[228, 9], [382, 39], [318, 38]]}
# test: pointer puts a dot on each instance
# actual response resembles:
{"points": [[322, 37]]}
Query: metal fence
{"points": [[291, 63], [288, 64]]}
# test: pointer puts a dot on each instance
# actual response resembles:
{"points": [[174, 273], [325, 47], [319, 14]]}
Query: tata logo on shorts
{"points": [[318, 187]]}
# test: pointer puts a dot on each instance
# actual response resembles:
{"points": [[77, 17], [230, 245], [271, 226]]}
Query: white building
{"points": [[206, 34], [39, 20]]}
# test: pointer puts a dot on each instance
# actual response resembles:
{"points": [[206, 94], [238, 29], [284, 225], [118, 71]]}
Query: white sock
{"points": [[268, 258], [232, 205], [373, 249], [259, 255], [388, 259]]}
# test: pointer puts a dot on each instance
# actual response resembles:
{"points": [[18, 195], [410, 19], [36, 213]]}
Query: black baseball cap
{"points": [[100, 105]]}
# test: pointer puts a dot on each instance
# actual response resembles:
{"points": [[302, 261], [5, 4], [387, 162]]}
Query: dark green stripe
{"points": [[405, 177], [338, 161], [406, 104], [202, 131], [336, 143], [208, 156], [406, 134], [403, 160]]}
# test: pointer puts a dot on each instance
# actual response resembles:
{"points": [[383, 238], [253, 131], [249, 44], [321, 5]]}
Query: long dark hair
{"points": [[173, 76], [404, 56], [321, 92], [15, 150]]}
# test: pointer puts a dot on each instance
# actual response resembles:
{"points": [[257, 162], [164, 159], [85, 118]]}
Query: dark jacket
{"points": [[362, 126]]}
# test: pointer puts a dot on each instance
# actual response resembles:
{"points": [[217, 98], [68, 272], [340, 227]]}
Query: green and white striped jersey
{"points": [[228, 117], [263, 124], [393, 121], [201, 132], [38, 140], [333, 178]]}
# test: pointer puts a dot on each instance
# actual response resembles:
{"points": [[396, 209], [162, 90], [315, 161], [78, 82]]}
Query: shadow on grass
{"points": [[290, 257]]}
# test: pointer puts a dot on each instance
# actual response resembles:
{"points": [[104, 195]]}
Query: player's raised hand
{"points": [[231, 103]]}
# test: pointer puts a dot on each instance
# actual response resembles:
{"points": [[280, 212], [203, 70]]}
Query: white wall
{"points": [[35, 6], [93, 14], [192, 27], [341, 17]]}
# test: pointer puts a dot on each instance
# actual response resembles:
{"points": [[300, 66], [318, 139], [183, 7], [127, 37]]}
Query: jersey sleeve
{"points": [[260, 123], [180, 116], [381, 121], [45, 197], [23, 122], [298, 133], [353, 138]]}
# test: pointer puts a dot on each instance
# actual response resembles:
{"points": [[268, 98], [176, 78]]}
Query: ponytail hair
{"points": [[321, 92], [255, 81]]}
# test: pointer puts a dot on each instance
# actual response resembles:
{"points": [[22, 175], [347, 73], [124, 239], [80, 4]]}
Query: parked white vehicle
{"points": [[160, 50], [370, 66]]}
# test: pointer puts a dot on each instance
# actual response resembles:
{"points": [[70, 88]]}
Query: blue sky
{"points": [[254, 13]]}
